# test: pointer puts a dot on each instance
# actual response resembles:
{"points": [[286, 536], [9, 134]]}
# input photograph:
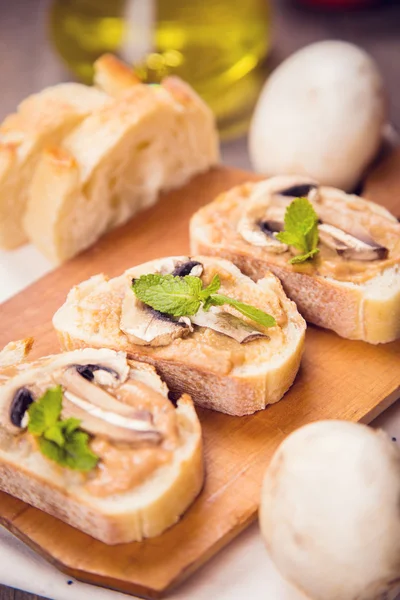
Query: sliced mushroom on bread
{"points": [[42, 120], [147, 139], [92, 438], [229, 357], [351, 282]]}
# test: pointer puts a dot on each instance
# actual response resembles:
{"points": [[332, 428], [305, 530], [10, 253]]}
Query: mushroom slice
{"points": [[258, 225], [74, 382], [167, 265], [256, 233], [99, 374], [273, 222], [139, 392], [22, 400], [348, 246], [114, 426], [147, 327], [300, 190], [227, 324], [270, 226], [191, 267]]}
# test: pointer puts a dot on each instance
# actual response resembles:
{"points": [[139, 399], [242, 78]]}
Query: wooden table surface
{"points": [[29, 64]]}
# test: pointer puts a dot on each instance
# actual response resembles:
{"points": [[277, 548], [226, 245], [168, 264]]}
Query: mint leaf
{"points": [[253, 313], [312, 238], [211, 288], [300, 216], [54, 434], [292, 239], [59, 432], [44, 413], [70, 425], [217, 300], [75, 454], [51, 450], [300, 258], [60, 441], [78, 454], [177, 296], [301, 230], [207, 304], [183, 296]]}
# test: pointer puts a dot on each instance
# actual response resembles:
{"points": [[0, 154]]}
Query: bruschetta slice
{"points": [[351, 280], [94, 440], [234, 345]]}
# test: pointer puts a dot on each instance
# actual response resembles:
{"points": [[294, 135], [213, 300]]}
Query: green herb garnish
{"points": [[301, 230], [184, 296], [60, 440]]}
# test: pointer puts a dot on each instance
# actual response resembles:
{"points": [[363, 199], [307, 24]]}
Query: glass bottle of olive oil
{"points": [[215, 45]]}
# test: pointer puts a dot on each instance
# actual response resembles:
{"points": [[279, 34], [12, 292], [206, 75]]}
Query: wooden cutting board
{"points": [[339, 379]]}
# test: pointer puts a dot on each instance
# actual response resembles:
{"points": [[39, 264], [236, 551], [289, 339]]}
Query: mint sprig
{"points": [[301, 230], [251, 312], [184, 296], [177, 296], [60, 440]]}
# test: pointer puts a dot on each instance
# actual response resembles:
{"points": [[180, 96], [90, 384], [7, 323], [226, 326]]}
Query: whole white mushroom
{"points": [[330, 511], [320, 114]]}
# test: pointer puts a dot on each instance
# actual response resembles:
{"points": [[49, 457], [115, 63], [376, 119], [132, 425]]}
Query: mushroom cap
{"points": [[330, 511], [321, 114]]}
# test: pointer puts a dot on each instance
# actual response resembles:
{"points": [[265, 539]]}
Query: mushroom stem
{"points": [[146, 326], [348, 246], [73, 382], [117, 427], [227, 324]]}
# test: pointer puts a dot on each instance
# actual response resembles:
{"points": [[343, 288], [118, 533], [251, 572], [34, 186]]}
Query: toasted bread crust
{"points": [[112, 76], [346, 308], [15, 352]]}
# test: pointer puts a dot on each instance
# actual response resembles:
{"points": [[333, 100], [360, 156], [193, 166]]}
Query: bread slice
{"points": [[113, 76], [15, 353], [219, 372], [142, 485], [149, 139], [41, 120], [358, 299]]}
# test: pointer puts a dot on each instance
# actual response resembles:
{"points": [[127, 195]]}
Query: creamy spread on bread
{"points": [[102, 306], [220, 353], [357, 238], [124, 407]]}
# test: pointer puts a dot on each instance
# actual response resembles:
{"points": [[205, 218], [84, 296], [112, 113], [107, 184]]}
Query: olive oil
{"points": [[215, 45]]}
